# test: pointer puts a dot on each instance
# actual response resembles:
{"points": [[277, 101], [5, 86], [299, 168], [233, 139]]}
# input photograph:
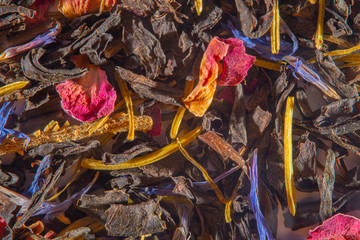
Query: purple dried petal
{"points": [[262, 226]]}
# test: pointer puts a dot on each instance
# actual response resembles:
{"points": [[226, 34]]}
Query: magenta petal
{"points": [[236, 63], [89, 97], [340, 226]]}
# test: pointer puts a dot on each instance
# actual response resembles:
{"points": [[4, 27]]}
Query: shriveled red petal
{"points": [[338, 227], [2, 227], [155, 114], [228, 94], [41, 7], [89, 97], [76, 8], [236, 63], [201, 97]]}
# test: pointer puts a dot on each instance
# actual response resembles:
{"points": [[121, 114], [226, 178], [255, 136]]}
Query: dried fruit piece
{"points": [[76, 8]]}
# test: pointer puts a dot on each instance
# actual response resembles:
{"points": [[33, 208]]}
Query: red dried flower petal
{"points": [[155, 114], [236, 63], [340, 226], [89, 97], [2, 227], [228, 94]]}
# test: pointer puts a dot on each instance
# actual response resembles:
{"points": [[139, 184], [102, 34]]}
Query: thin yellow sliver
{"points": [[354, 64], [203, 171], [320, 25], [228, 211], [77, 171], [198, 6], [12, 87], [127, 97], [268, 64], [275, 29], [288, 159], [342, 52], [180, 112], [144, 160], [338, 41], [351, 58]]}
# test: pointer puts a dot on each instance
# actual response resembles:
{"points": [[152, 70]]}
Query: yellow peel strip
{"points": [[198, 6], [268, 64], [126, 95], [203, 171], [227, 211], [341, 42], [12, 87], [180, 112], [288, 159], [144, 160], [320, 25], [275, 29], [342, 52]]}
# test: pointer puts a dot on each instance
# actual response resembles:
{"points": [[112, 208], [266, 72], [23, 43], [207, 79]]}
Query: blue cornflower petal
{"points": [[5, 112], [309, 74], [263, 228], [39, 177], [263, 45]]}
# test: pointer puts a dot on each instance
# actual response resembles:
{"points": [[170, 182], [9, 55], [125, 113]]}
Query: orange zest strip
{"points": [[203, 171], [180, 112], [275, 29], [126, 95], [320, 25], [288, 159], [143, 160]]}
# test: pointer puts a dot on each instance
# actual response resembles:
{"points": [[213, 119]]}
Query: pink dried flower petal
{"points": [[338, 227], [89, 97], [236, 63]]}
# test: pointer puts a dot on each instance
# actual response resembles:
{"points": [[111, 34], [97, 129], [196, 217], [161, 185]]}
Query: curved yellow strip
{"points": [[12, 87], [288, 159], [180, 112], [268, 64], [203, 171], [320, 25], [275, 29], [127, 97], [228, 211], [144, 160], [342, 52], [198, 6]]}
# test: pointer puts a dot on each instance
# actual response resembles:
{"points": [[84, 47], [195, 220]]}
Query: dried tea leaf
{"points": [[151, 89], [135, 220]]}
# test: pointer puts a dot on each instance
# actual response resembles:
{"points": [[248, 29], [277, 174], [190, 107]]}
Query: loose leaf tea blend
{"points": [[174, 119]]}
